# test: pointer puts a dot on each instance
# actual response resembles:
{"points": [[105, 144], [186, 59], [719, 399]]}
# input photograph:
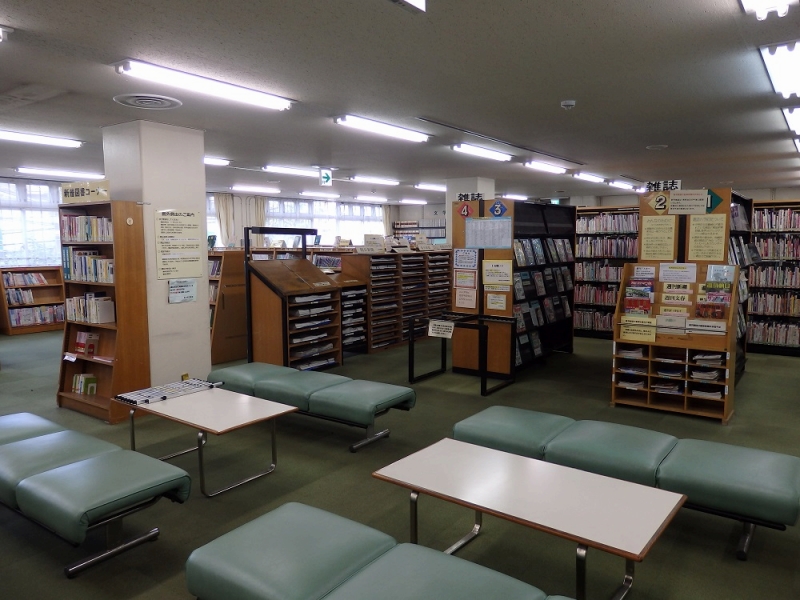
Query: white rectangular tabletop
{"points": [[600, 512], [216, 411]]}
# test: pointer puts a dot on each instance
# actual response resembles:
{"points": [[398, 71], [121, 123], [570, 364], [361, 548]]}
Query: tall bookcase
{"points": [[774, 304], [102, 246], [524, 321], [606, 239], [227, 305], [33, 299]]}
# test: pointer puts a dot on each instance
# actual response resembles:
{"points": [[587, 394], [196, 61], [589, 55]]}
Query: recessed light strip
{"points": [[76, 175], [375, 180], [589, 177], [324, 195], [371, 199], [292, 171], [431, 187], [412, 201], [201, 85], [482, 152], [4, 31], [381, 128], [621, 185], [255, 189], [792, 116], [515, 197], [46, 140]]}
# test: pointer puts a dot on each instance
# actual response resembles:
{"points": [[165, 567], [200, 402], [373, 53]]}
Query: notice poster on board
{"points": [[707, 238], [180, 244], [489, 232], [657, 238], [497, 272], [466, 298]]}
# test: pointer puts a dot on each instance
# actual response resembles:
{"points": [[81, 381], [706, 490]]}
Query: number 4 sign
{"points": [[465, 211]]}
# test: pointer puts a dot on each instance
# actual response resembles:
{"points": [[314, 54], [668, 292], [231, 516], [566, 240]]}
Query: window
{"points": [[29, 229], [211, 221]]}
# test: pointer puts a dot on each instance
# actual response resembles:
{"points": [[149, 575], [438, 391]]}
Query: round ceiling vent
{"points": [[148, 101]]}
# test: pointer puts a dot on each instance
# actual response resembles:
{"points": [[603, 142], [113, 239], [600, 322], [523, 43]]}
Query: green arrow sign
{"points": [[325, 177]]}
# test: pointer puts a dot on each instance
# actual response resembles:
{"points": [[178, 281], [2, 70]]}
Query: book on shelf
{"points": [[565, 305], [84, 383], [86, 343], [538, 280], [550, 246], [536, 312], [519, 289], [11, 278], [637, 305], [559, 279], [538, 251], [567, 277], [536, 343], [549, 281], [549, 310], [519, 254]]}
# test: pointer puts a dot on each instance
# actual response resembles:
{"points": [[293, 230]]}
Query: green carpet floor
{"points": [[693, 559]]}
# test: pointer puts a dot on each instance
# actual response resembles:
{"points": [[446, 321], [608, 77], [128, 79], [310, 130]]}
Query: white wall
{"points": [[411, 212]]}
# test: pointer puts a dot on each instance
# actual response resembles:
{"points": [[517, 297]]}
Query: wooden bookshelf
{"points": [[33, 299], [122, 357], [774, 303], [295, 315], [606, 239], [355, 300], [227, 305]]}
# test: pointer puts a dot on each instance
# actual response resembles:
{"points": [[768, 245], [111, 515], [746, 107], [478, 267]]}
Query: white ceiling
{"points": [[686, 73]]}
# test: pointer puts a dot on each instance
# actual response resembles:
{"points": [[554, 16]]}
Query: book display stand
{"points": [[102, 246], [293, 309], [227, 305], [675, 325], [33, 299]]}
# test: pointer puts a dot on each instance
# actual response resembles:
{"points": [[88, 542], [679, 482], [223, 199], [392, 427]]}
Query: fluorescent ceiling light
{"points": [[514, 197], [292, 171], [216, 162], [381, 128], [201, 85], [255, 189], [543, 166], [371, 199], [482, 152], [783, 67], [797, 143], [793, 118], [4, 31], [76, 175], [621, 185], [763, 7], [29, 138], [589, 177], [641, 190], [412, 201], [325, 195], [431, 187], [375, 180]]}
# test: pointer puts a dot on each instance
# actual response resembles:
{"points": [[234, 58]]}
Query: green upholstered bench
{"points": [[753, 486], [297, 552], [323, 395], [71, 483]]}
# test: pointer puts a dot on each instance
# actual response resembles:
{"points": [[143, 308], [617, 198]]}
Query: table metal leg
{"points": [[202, 438], [580, 572], [627, 582], [168, 456], [473, 533]]}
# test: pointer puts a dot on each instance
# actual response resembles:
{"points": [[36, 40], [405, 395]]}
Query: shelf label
{"points": [[441, 329], [70, 357]]}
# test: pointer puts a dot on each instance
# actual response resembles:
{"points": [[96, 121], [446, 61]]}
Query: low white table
{"points": [[600, 512], [215, 411]]}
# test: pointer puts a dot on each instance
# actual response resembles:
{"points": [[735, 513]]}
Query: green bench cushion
{"points": [[743, 481], [294, 552], [296, 387], [411, 572], [613, 450], [514, 430], [19, 460], [68, 499], [242, 378], [359, 401], [21, 426]]}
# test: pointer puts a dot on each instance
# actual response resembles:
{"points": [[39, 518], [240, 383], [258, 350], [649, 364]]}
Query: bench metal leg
{"points": [[748, 529], [371, 437], [414, 536], [202, 438], [580, 576], [113, 530]]}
